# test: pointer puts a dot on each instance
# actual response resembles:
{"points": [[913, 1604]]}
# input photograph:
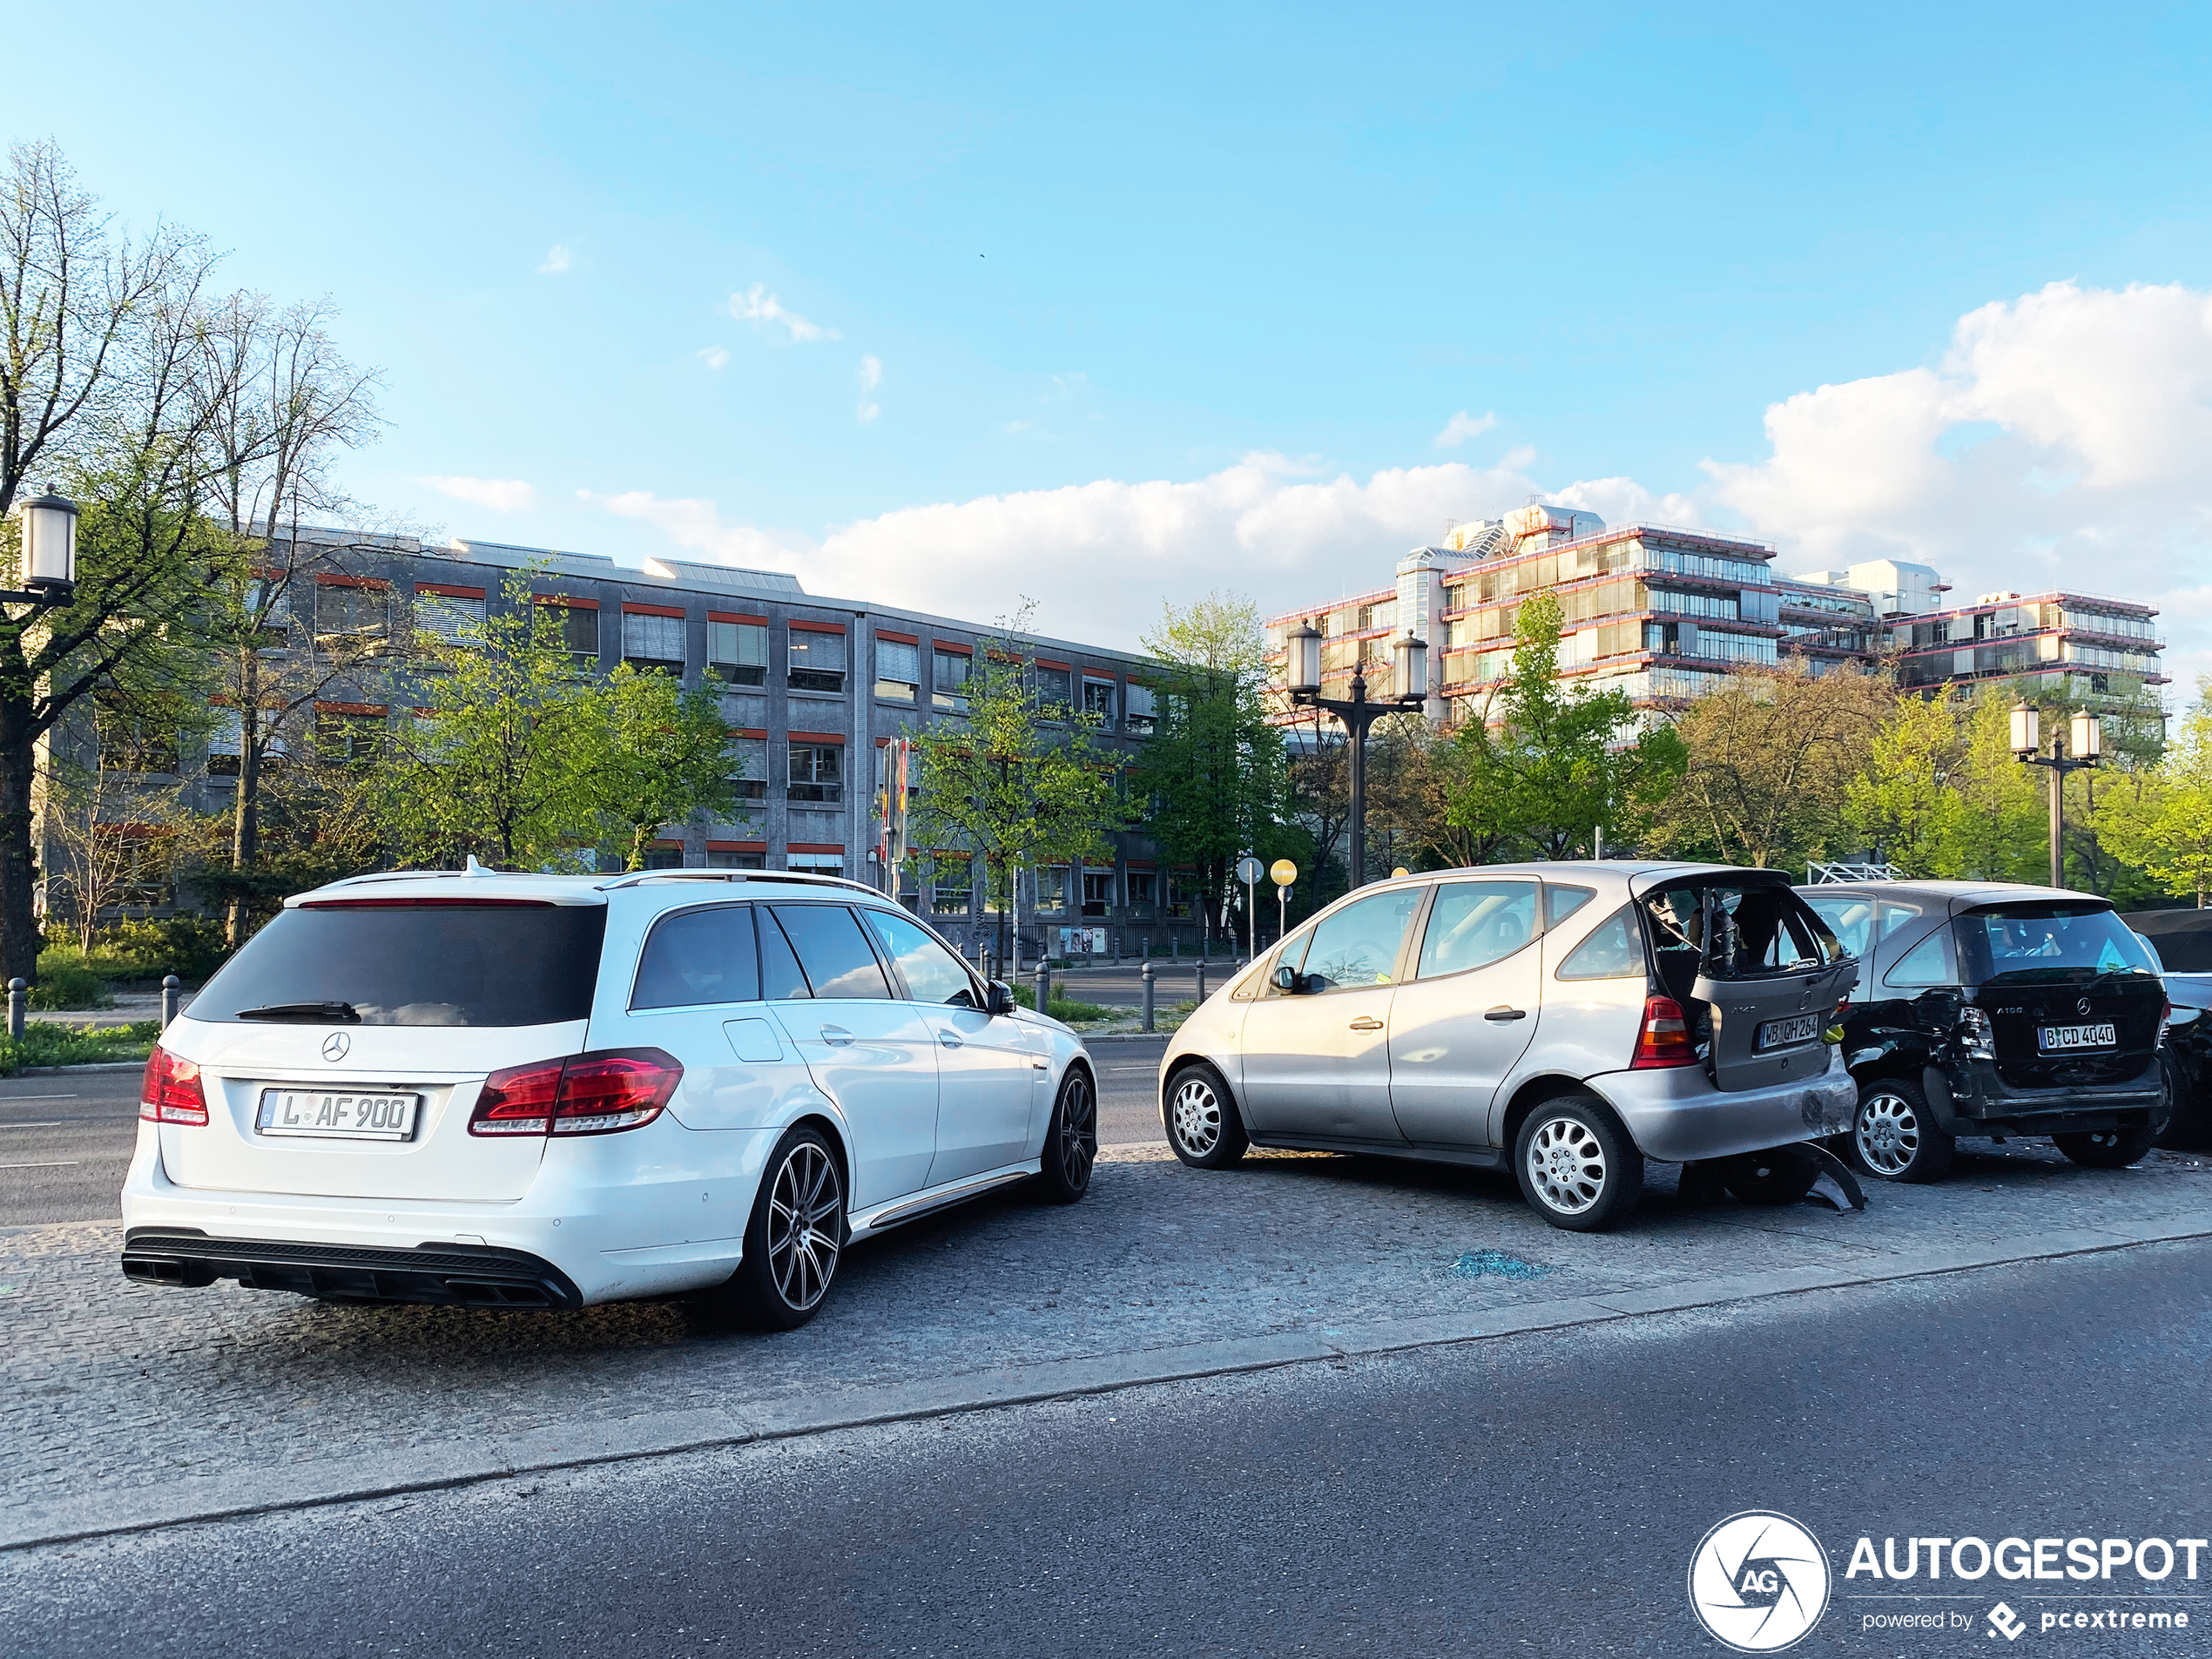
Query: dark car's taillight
{"points": [[600, 1093], [1664, 1040], [171, 1092]]}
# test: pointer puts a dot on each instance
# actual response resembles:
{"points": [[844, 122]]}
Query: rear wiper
{"points": [[322, 1012]]}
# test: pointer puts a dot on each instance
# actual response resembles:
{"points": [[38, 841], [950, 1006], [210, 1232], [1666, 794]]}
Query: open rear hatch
{"points": [[342, 1052], [1758, 974], [2072, 998]]}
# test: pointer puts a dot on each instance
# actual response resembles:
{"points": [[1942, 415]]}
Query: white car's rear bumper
{"points": [[612, 1223], [1677, 1115]]}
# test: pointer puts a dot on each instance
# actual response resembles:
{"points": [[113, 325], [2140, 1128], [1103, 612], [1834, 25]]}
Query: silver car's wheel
{"points": [[1202, 1122], [805, 1227], [1567, 1165], [1577, 1165]]}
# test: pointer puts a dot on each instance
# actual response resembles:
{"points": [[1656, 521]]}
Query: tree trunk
{"points": [[246, 824], [18, 928]]}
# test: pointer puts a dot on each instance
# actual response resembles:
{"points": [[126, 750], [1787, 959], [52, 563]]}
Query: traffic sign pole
{"points": [[1249, 870], [1282, 872]]}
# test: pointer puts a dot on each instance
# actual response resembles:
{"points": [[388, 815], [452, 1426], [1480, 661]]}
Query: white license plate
{"points": [[2053, 1038], [1776, 1034], [338, 1114]]}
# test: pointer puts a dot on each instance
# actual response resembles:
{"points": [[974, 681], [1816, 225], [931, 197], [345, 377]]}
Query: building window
{"points": [[653, 642], [664, 856], [737, 652], [578, 627], [132, 742], [344, 611], [817, 772], [1053, 693], [1179, 897], [271, 601], [951, 887], [1143, 892], [954, 668], [720, 860], [815, 863], [817, 661], [1052, 889], [1098, 894], [344, 735], [1098, 700], [1143, 708], [454, 619], [898, 671], [749, 766]]}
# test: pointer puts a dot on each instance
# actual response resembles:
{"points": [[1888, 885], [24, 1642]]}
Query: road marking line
{"points": [[9, 1100], [50, 1124], [67, 1164]]}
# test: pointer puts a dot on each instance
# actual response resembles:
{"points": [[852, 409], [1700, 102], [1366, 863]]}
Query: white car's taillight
{"points": [[172, 1091], [600, 1093]]}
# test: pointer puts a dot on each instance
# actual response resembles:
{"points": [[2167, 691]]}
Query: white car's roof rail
{"points": [[784, 878]]}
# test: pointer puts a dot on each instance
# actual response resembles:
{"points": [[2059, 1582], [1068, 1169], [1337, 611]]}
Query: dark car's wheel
{"points": [[1202, 1121], [1893, 1134], [2189, 1124], [795, 1239], [1070, 1141], [1577, 1168], [2106, 1148], [1778, 1176]]}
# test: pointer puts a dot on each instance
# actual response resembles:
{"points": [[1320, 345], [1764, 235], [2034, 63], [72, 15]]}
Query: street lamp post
{"points": [[1409, 661], [2089, 749], [49, 526]]}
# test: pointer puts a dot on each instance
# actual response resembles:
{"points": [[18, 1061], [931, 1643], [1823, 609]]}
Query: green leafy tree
{"points": [[655, 755], [2161, 822], [502, 767], [1941, 796], [1010, 788], [1213, 767], [1559, 764]]}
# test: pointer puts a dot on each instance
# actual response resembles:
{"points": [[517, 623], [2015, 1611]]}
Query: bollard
{"points": [[1202, 979], [171, 985], [1044, 985], [15, 989], [1174, 946], [1146, 976]]}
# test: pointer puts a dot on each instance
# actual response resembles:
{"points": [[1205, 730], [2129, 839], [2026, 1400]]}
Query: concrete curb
{"points": [[71, 1071], [463, 1463]]}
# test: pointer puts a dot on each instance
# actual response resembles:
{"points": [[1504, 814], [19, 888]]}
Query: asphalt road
{"points": [[65, 1145], [1540, 1495], [66, 1141]]}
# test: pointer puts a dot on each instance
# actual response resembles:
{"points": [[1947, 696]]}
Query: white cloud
{"points": [[871, 376], [499, 495], [756, 306], [1463, 425], [2059, 442], [714, 356], [1101, 557], [557, 260]]}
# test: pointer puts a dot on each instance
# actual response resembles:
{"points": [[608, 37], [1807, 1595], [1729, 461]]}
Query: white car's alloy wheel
{"points": [[805, 1220], [1197, 1111], [1567, 1165]]}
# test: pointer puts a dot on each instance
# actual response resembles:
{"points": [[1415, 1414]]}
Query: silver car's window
{"points": [[1614, 950], [933, 974], [1475, 923], [1850, 917], [700, 956], [1561, 901], [1359, 944]]}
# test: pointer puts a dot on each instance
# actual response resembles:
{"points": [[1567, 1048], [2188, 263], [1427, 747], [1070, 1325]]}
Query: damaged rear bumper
{"points": [[1677, 1114]]}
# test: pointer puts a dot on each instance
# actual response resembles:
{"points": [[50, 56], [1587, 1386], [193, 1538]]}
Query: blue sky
{"points": [[1114, 306]]}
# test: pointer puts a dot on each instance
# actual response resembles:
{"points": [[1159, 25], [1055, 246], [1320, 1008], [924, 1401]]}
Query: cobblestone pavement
{"points": [[106, 1385]]}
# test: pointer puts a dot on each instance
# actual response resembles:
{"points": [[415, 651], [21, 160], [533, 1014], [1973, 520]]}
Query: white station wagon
{"points": [[1566, 1020], [541, 1091]]}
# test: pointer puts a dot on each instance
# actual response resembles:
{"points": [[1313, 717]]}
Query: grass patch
{"points": [[1065, 1009], [45, 1044]]}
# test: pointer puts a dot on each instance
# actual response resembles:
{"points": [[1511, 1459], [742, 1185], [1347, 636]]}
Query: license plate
{"points": [[1776, 1034], [2054, 1038], [334, 1114]]}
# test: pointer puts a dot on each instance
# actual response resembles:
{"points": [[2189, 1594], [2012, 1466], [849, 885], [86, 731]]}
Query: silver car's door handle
{"points": [[949, 1040], [1501, 1012], [1366, 1022], [836, 1034]]}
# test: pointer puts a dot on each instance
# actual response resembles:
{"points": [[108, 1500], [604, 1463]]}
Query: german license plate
{"points": [[337, 1113], [2052, 1039], [1780, 1034]]}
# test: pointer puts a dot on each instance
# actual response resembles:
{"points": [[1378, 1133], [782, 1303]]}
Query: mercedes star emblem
{"points": [[334, 1047]]}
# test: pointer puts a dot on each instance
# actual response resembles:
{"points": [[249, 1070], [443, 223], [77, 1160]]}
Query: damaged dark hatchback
{"points": [[1994, 1009]]}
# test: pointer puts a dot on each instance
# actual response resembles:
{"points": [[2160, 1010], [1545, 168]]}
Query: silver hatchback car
{"points": [[1576, 1019]]}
